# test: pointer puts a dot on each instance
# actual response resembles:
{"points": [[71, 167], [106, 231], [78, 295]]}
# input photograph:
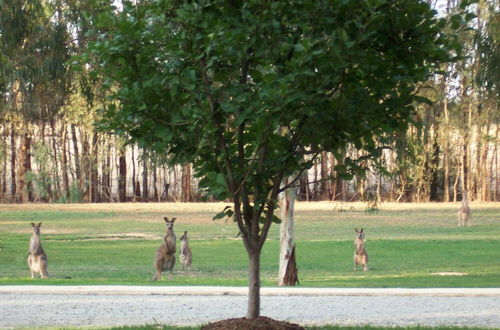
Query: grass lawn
{"points": [[409, 245], [332, 327], [326, 327]]}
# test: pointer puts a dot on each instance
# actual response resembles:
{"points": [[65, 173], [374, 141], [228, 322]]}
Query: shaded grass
{"points": [[115, 244]]}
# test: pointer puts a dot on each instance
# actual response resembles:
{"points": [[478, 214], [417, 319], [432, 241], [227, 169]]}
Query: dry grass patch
{"points": [[450, 274]]}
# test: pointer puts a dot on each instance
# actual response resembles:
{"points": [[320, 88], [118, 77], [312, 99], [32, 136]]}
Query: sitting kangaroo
{"points": [[165, 255], [186, 254], [37, 259], [360, 255], [464, 212]]}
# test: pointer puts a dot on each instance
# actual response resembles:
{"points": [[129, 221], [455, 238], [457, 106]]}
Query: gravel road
{"points": [[83, 306]]}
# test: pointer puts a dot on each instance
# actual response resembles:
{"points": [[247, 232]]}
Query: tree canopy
{"points": [[252, 91]]}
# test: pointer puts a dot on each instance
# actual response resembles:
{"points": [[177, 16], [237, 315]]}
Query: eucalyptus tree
{"points": [[245, 90], [33, 82]]}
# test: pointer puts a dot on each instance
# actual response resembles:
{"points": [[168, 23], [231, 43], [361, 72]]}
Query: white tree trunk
{"points": [[286, 200]]}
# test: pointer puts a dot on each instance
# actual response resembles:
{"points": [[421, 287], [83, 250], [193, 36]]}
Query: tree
{"points": [[245, 90], [33, 80]]}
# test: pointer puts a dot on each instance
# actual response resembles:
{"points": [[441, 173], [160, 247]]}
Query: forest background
{"points": [[52, 151]]}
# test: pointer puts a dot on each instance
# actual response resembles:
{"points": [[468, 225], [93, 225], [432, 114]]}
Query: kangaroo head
{"points": [[169, 223], [36, 227], [185, 236], [359, 233]]}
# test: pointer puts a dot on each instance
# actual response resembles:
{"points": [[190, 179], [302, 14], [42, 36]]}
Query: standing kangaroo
{"points": [[360, 255], [464, 212], [165, 255], [186, 254], [37, 259]]}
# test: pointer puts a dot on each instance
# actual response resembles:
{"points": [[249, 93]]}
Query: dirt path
{"points": [[27, 306]]}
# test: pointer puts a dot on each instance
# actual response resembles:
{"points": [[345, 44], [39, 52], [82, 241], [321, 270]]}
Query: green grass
{"points": [[408, 244], [332, 327], [326, 327]]}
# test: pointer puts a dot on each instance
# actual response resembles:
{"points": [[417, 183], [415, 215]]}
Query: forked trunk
{"points": [[253, 311]]}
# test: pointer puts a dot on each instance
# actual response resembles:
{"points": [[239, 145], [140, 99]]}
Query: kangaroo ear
{"points": [[165, 218], [185, 233], [173, 219], [356, 230], [361, 230], [39, 224], [32, 224]]}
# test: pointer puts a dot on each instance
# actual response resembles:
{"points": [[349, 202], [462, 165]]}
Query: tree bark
{"points": [[253, 311], [55, 171], [3, 162], [85, 177], [94, 174], [106, 174], [13, 156], [76, 155], [486, 177], [287, 266], [134, 186], [155, 185], [434, 186], [325, 193], [24, 190], [122, 176], [65, 163], [446, 151], [186, 183], [145, 191], [494, 173]]}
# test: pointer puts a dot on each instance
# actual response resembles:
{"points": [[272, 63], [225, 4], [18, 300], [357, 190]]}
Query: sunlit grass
{"points": [[409, 245]]}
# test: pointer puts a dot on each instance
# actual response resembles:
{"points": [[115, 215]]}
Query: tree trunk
{"points": [[13, 153], [106, 174], [24, 190], [495, 170], [446, 151], [76, 156], [253, 311], [379, 188], [55, 157], [94, 174], [155, 185], [122, 176], [65, 163], [325, 193], [186, 183], [455, 183], [145, 183], [486, 177], [287, 266], [134, 186], [44, 172], [3, 161], [85, 171], [434, 186], [316, 186]]}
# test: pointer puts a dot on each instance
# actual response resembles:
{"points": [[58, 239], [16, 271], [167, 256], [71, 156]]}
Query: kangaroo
{"points": [[186, 255], [464, 212], [360, 255], [165, 255], [37, 258]]}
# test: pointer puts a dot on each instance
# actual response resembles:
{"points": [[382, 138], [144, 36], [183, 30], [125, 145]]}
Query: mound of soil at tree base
{"points": [[261, 323]]}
